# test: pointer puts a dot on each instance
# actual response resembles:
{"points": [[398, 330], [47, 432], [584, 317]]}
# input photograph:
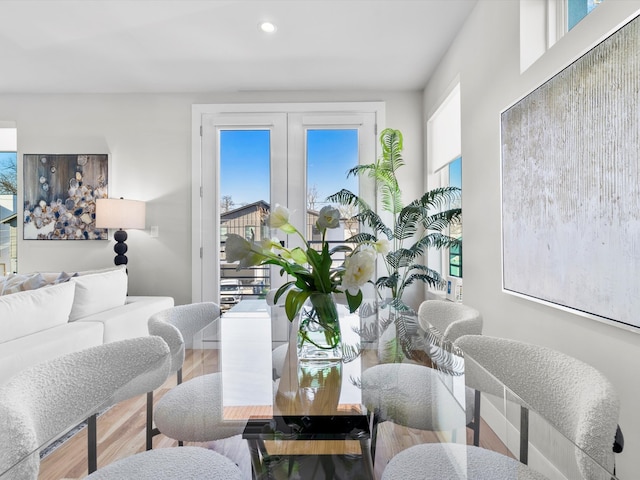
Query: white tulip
{"points": [[359, 269], [329, 217]]}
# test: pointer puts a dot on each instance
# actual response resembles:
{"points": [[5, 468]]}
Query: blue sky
{"points": [[455, 173], [5, 158], [244, 165]]}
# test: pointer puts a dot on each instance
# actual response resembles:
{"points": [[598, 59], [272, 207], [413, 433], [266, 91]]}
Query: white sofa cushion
{"points": [[129, 320], [41, 346], [97, 292], [24, 313]]}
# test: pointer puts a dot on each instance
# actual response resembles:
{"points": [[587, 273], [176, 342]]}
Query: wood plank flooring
{"points": [[121, 432]]}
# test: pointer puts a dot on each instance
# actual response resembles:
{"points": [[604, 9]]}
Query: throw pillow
{"points": [[63, 277], [98, 292], [24, 313], [20, 283]]}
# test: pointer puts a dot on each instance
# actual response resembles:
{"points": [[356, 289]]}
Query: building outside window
{"points": [[8, 200]]}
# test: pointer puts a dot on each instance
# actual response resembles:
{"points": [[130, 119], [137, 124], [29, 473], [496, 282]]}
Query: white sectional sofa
{"points": [[45, 315]]}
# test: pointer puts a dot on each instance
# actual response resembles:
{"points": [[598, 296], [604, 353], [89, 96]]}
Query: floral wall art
{"points": [[60, 193], [571, 186]]}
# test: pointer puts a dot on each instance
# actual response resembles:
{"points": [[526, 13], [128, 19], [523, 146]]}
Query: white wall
{"points": [[487, 60], [149, 139]]}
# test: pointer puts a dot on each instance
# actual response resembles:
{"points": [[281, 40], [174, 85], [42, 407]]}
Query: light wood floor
{"points": [[121, 432]]}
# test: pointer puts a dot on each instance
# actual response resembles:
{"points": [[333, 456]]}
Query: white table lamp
{"points": [[121, 214]]}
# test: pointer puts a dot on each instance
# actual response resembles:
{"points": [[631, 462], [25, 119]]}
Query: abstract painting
{"points": [[571, 185], [60, 193]]}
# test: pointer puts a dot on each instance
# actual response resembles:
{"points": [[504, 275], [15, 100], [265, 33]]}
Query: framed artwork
{"points": [[571, 186], [60, 193]]}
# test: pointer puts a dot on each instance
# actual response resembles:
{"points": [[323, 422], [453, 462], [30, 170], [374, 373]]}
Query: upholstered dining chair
{"points": [[572, 396], [451, 319], [192, 410], [41, 402], [173, 325], [396, 392]]}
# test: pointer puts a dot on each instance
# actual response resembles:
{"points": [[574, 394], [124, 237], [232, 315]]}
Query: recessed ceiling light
{"points": [[267, 27]]}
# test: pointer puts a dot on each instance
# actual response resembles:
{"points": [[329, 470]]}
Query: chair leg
{"points": [[476, 418], [149, 420], [92, 443], [524, 435], [373, 428], [151, 431]]}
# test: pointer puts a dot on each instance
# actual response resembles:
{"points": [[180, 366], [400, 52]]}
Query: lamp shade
{"points": [[120, 213]]}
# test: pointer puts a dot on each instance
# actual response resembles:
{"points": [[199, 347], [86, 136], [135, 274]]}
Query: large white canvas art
{"points": [[571, 185]]}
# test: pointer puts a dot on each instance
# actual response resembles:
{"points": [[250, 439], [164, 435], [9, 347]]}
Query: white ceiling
{"points": [[60, 46]]}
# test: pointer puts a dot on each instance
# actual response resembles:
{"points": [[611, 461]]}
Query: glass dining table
{"points": [[309, 420]]}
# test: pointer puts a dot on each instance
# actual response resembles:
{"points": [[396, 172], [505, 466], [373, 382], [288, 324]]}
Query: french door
{"points": [[247, 159]]}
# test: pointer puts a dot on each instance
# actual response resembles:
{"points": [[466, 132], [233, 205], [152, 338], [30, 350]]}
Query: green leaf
{"points": [[341, 248], [400, 258], [440, 197], [390, 282], [441, 220], [293, 303], [373, 220], [361, 238], [346, 197], [433, 279], [281, 291], [353, 301]]}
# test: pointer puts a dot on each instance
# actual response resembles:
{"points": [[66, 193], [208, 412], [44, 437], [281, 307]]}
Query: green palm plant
{"points": [[415, 227]]}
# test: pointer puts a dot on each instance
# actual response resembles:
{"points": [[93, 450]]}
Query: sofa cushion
{"points": [[129, 320], [101, 270], [97, 292], [27, 312], [30, 350]]}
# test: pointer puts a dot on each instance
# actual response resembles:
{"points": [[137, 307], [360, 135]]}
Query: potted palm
{"points": [[413, 229]]}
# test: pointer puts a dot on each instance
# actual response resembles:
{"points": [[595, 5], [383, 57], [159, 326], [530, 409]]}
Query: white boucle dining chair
{"points": [[451, 319], [174, 325], [571, 395], [42, 402], [396, 392], [192, 410]]}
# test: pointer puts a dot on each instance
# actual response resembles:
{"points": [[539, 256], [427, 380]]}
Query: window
{"points": [[250, 232], [544, 22], [251, 157], [445, 167], [8, 199]]}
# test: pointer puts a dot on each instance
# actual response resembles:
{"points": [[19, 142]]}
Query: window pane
{"points": [[8, 211], [330, 155], [455, 230], [578, 9], [244, 206]]}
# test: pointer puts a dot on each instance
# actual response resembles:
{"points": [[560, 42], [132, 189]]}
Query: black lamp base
{"points": [[120, 247]]}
